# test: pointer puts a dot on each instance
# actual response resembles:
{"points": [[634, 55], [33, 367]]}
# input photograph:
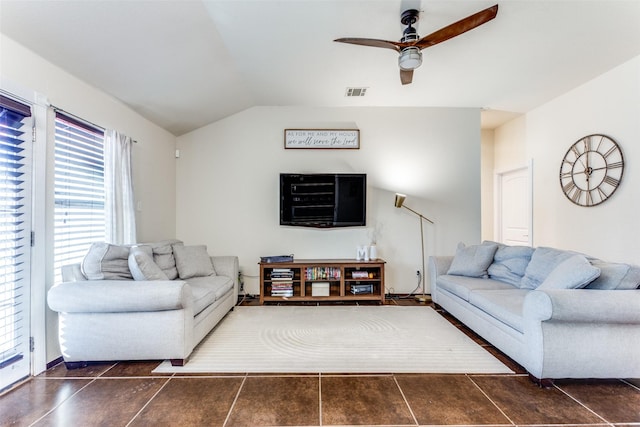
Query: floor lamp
{"points": [[400, 204]]}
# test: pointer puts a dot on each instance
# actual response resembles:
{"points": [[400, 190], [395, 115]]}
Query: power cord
{"points": [[413, 292]]}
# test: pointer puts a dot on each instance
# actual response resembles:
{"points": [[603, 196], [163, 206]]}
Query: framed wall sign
{"points": [[322, 138]]}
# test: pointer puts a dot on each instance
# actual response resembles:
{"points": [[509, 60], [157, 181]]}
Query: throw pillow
{"points": [[611, 274], [193, 261], [543, 261], [142, 266], [573, 273], [104, 261], [163, 256], [510, 263], [472, 261]]}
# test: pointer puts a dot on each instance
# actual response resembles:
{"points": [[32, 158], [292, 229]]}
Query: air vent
{"points": [[356, 91]]}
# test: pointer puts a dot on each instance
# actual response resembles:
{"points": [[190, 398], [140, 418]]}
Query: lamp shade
{"points": [[399, 200]]}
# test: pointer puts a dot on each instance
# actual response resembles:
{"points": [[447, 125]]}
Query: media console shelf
{"points": [[322, 280]]}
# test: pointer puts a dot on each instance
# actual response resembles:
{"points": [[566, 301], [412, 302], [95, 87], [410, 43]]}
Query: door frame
{"points": [[497, 206], [39, 279]]}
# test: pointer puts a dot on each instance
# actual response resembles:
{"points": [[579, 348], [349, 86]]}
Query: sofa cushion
{"points": [[163, 256], [510, 263], [615, 276], [193, 261], [543, 261], [573, 273], [504, 305], [472, 261], [105, 261], [207, 290], [461, 286], [142, 266]]}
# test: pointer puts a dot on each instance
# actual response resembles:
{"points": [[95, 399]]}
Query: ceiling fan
{"points": [[410, 46]]}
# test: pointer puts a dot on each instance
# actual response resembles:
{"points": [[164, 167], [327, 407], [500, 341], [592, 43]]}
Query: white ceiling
{"points": [[186, 63]]}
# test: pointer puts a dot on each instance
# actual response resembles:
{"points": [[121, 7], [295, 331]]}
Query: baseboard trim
{"points": [[55, 362]]}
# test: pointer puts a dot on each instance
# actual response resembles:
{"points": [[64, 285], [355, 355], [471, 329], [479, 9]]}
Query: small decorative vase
{"points": [[373, 252]]}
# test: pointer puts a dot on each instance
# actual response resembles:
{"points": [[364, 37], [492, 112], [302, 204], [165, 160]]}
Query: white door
{"points": [[513, 210], [15, 240]]}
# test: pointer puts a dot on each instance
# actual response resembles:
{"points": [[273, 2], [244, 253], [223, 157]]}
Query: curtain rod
{"points": [[80, 119]]}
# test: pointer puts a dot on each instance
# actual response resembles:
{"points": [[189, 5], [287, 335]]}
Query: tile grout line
{"points": [[149, 401], [235, 399], [637, 387], [582, 404], [64, 401], [106, 370], [490, 399], [406, 402]]}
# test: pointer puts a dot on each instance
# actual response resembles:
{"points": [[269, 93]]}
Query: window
{"points": [[79, 190], [15, 236]]}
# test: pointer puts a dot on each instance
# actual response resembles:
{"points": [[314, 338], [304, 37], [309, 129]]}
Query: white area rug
{"points": [[337, 339]]}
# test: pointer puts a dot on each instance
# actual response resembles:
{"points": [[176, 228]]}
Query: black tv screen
{"points": [[323, 200]]}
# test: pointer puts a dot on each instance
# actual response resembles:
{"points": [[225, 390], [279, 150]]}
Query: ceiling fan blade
{"points": [[457, 28], [406, 76], [397, 46]]}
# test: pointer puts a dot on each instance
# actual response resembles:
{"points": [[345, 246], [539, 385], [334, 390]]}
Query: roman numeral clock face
{"points": [[591, 171]]}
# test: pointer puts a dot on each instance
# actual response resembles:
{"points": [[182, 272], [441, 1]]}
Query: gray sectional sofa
{"points": [[146, 302], [559, 314]]}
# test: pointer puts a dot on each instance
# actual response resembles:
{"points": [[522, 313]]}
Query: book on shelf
{"points": [[359, 274], [322, 273], [284, 289], [282, 294], [281, 274], [282, 285]]}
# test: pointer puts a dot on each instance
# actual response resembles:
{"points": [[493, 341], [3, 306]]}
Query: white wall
{"points": [[510, 145], [153, 158], [153, 155], [228, 176], [487, 156], [609, 104]]}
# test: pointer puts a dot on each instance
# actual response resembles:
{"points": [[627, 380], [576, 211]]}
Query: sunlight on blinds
{"points": [[79, 191], [15, 213]]}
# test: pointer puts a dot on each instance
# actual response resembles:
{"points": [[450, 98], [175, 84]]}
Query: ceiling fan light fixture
{"points": [[410, 58]]}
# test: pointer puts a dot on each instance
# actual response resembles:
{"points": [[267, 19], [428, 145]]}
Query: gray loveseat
{"points": [[557, 313], [148, 302]]}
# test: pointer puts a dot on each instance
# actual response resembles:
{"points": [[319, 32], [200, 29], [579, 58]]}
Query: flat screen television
{"points": [[323, 200]]}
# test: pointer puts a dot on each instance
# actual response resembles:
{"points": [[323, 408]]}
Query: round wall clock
{"points": [[591, 171]]}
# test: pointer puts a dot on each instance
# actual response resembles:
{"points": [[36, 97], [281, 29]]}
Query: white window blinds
{"points": [[15, 230], [79, 190]]}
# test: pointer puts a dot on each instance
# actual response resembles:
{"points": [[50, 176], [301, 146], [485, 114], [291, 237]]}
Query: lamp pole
{"points": [[399, 203]]}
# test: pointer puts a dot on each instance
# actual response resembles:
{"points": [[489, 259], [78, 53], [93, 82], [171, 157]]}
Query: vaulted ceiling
{"points": [[187, 63]]}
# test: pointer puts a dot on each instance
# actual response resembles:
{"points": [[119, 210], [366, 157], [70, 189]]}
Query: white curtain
{"points": [[119, 202]]}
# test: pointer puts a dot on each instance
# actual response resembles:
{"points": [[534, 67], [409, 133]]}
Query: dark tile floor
{"points": [[127, 393]]}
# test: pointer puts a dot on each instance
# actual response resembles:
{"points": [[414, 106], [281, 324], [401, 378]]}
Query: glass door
{"points": [[15, 240]]}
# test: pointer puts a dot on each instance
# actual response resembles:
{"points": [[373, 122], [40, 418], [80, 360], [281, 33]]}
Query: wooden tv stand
{"points": [[322, 280]]}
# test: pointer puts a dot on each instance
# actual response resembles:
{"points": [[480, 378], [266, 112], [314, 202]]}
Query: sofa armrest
{"points": [[584, 305], [118, 296], [72, 272], [438, 266], [227, 266]]}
